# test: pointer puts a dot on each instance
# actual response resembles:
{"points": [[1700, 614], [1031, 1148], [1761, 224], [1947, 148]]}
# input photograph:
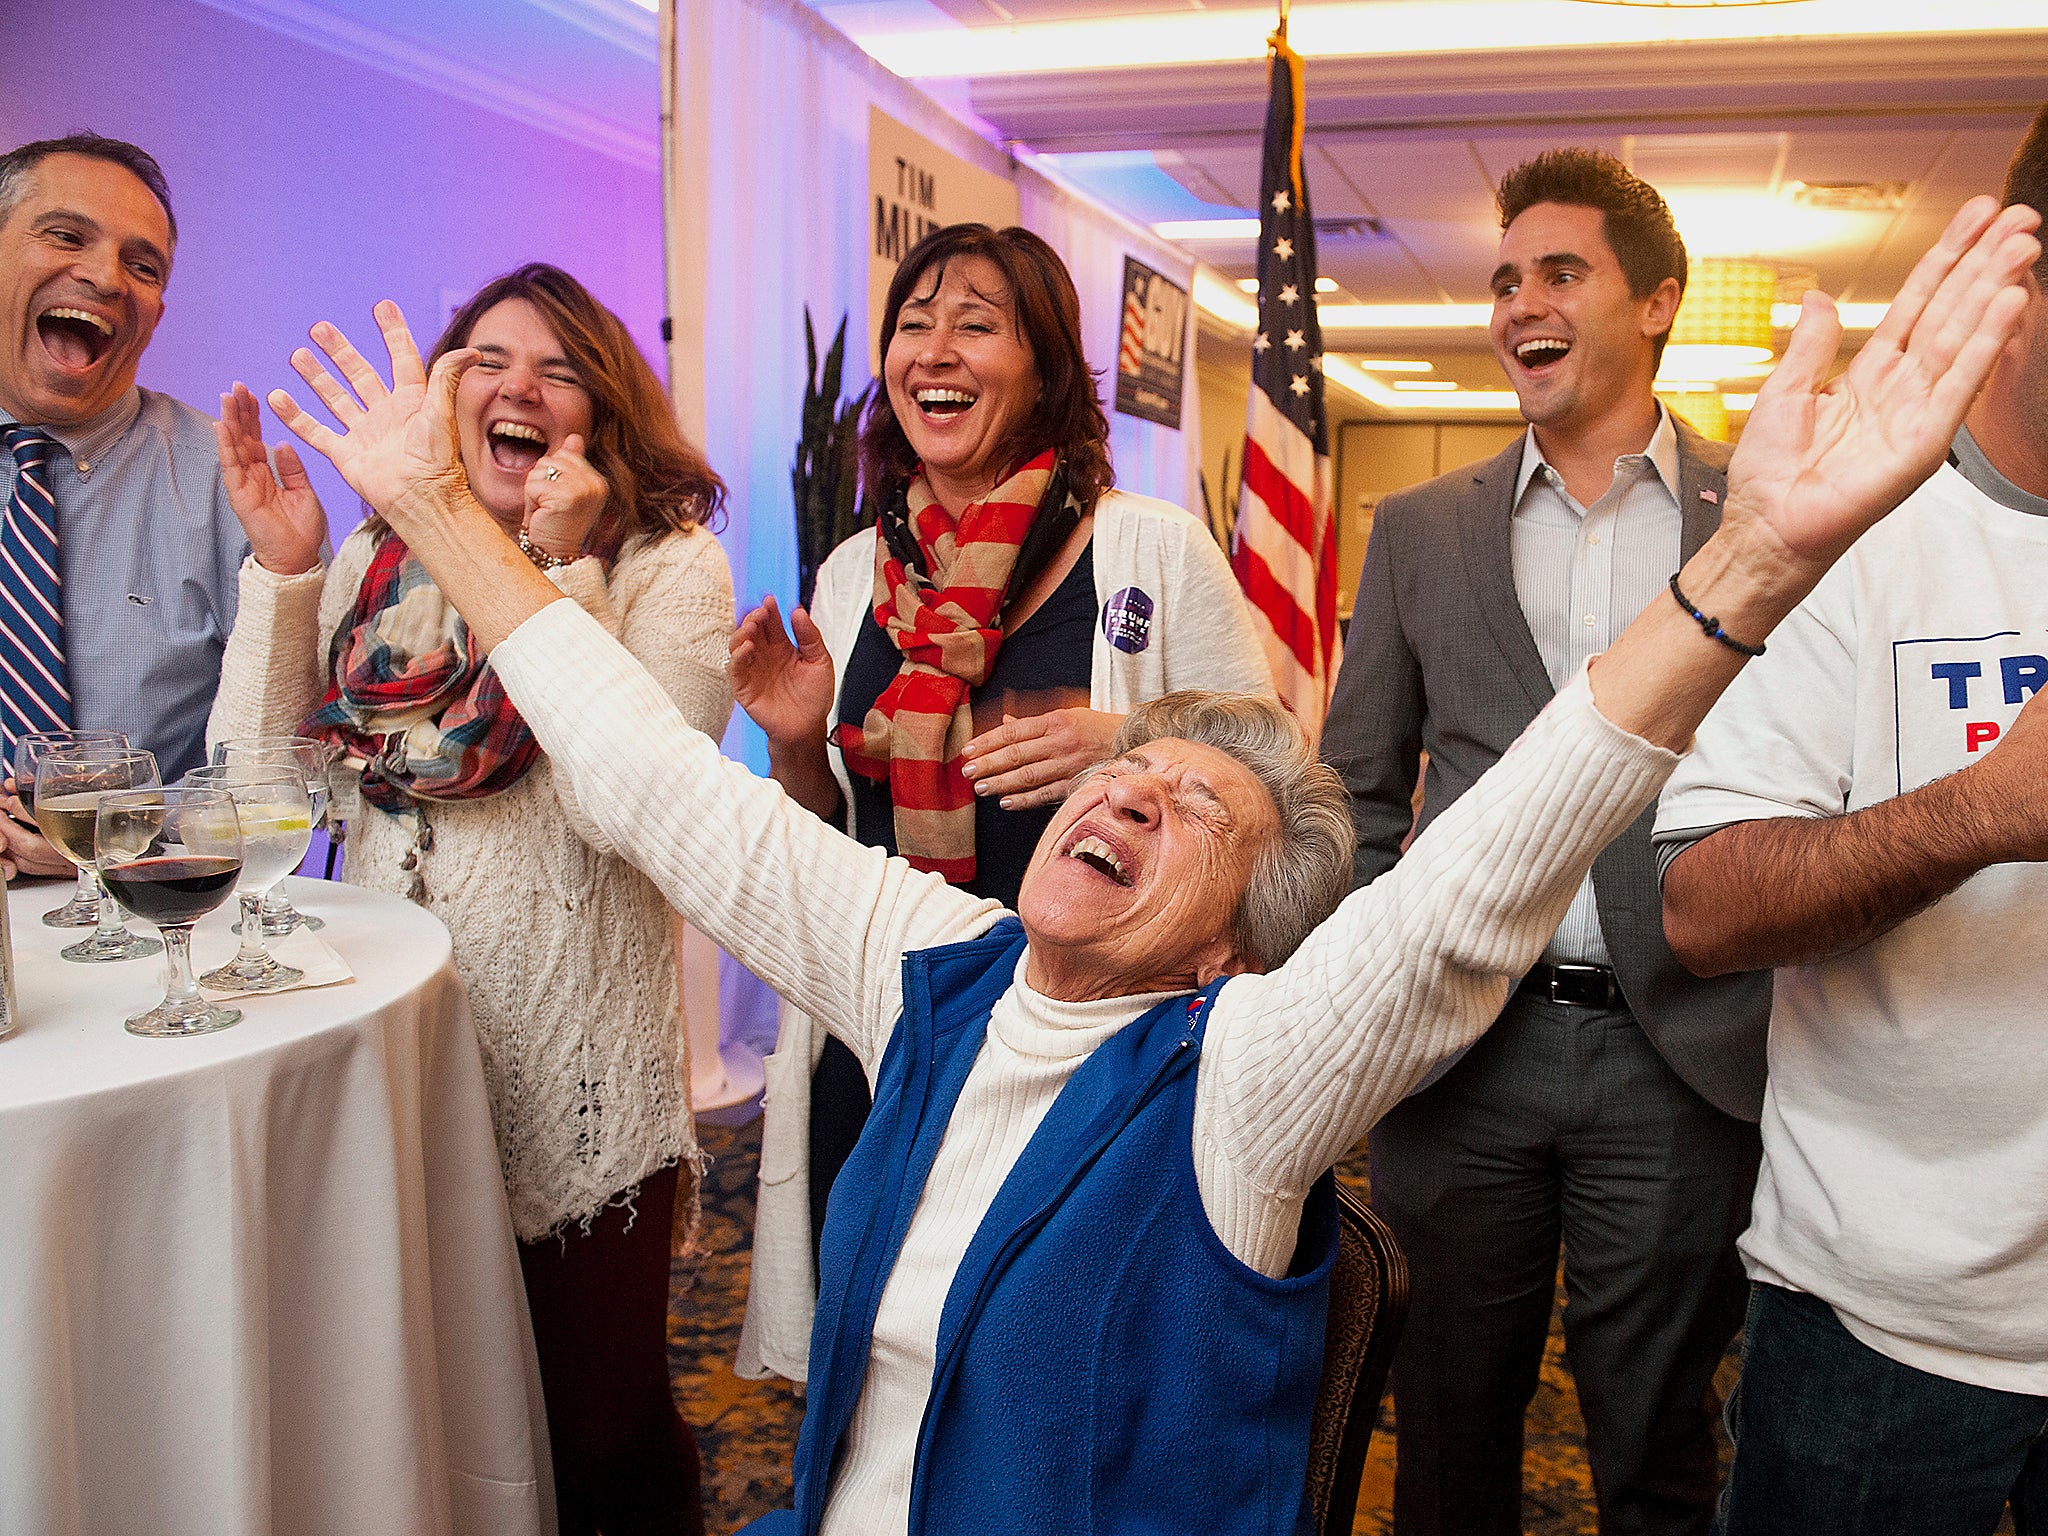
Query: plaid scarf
{"points": [[940, 586], [411, 696]]}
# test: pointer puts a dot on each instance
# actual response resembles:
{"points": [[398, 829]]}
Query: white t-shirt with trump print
{"points": [[1905, 1125]]}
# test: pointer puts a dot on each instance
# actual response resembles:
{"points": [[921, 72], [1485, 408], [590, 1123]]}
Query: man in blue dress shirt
{"points": [[147, 549]]}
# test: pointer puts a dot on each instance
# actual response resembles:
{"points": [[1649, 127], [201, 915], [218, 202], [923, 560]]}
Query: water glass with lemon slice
{"points": [[276, 817], [312, 758]]}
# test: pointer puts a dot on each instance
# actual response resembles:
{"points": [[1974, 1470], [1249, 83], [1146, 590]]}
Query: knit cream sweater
{"points": [[567, 952], [1295, 1064]]}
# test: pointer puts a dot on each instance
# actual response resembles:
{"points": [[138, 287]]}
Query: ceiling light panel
{"points": [[1398, 28]]}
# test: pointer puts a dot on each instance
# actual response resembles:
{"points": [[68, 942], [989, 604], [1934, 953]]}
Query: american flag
{"points": [[1286, 539]]}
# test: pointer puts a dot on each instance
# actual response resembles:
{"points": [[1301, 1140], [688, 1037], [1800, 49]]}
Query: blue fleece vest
{"points": [[1104, 1362]]}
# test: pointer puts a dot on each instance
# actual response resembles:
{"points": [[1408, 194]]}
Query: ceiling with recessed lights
{"points": [[1836, 157]]}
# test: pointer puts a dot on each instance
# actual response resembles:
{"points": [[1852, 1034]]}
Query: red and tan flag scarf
{"points": [[940, 584]]}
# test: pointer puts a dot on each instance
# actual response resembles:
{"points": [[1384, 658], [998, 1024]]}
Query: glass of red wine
{"points": [[170, 856], [83, 909]]}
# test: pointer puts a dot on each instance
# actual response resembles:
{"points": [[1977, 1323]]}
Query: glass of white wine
{"points": [[83, 909], [171, 856], [276, 815], [312, 759], [68, 790]]}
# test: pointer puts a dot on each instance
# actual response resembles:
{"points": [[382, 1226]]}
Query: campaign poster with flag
{"points": [[1285, 552]]}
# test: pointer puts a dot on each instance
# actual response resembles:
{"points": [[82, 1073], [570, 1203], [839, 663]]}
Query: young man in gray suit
{"points": [[1613, 1106]]}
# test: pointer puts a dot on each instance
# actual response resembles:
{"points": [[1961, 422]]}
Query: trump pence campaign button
{"points": [[1127, 620]]}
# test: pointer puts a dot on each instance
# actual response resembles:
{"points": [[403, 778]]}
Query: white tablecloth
{"points": [[263, 1280]]}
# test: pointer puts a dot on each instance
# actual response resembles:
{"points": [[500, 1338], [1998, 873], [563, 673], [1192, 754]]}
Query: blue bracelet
{"points": [[1712, 626]]}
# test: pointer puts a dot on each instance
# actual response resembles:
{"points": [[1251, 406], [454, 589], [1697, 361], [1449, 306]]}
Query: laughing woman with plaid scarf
{"points": [[969, 656], [567, 951]]}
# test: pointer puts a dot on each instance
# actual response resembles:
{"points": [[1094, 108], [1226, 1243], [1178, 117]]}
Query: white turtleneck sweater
{"points": [[1295, 1065]]}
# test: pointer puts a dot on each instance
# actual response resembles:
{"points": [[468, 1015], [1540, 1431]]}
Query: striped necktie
{"points": [[35, 694]]}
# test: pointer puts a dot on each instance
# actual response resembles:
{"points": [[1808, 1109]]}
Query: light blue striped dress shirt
{"points": [[1582, 575], [150, 554]]}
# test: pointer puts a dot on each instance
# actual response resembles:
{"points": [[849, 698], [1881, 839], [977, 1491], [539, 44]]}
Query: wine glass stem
{"points": [[88, 886], [113, 924], [254, 951], [184, 989]]}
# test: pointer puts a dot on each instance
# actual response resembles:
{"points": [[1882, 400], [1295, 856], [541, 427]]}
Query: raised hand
{"points": [[277, 510], [786, 689], [1822, 460], [565, 495], [393, 440], [1035, 760]]}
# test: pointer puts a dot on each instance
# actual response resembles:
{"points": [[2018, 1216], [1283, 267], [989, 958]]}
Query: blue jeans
{"points": [[1834, 1439]]}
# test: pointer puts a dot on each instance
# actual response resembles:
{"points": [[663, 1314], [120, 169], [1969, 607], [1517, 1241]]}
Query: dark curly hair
{"points": [[2026, 179], [1068, 416], [1635, 218]]}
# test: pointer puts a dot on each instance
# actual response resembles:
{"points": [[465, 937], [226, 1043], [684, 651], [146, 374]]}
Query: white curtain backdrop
{"points": [[767, 171]]}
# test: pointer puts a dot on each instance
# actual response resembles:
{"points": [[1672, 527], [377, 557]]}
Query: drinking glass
{"points": [[312, 759], [83, 909], [277, 823], [68, 788], [171, 856]]}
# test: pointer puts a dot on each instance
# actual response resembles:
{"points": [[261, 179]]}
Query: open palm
{"points": [[786, 688], [278, 509], [392, 439], [1822, 460]]}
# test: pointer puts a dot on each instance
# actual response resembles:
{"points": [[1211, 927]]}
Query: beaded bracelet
{"points": [[539, 556], [1712, 627]]}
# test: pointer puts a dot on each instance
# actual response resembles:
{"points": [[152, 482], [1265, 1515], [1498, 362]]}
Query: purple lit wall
{"points": [[307, 186]]}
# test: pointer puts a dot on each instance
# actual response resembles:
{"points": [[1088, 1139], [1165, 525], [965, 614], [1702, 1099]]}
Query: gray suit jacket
{"points": [[1440, 659]]}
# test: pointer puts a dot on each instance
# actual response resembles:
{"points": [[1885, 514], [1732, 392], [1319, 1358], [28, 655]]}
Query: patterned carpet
{"points": [[746, 1429]]}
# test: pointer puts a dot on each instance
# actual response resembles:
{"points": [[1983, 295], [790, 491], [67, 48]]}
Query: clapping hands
{"points": [[786, 688], [277, 509]]}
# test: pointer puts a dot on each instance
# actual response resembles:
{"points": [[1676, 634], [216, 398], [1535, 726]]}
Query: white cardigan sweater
{"points": [[568, 953], [1295, 1065], [1200, 635]]}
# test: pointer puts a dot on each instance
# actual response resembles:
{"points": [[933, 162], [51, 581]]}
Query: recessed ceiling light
{"points": [[1722, 221], [1207, 229], [1247, 285], [1710, 360], [1854, 317], [1424, 386], [1404, 317], [1393, 365], [1326, 285]]}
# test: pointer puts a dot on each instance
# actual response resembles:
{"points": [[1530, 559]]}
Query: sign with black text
{"points": [[1151, 349], [915, 187]]}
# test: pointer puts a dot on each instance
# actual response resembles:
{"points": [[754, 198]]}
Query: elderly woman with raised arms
{"points": [[1074, 1275]]}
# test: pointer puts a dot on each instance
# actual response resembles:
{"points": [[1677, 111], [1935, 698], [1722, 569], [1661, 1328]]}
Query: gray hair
{"points": [[1302, 872], [140, 163]]}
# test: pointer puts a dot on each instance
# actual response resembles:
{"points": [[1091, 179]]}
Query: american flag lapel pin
{"points": [[1710, 496]]}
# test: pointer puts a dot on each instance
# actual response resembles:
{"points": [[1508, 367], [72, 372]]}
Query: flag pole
{"points": [[1276, 44], [1283, 549]]}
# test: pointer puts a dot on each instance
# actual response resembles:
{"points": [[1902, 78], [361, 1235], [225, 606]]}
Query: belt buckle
{"points": [[1581, 986]]}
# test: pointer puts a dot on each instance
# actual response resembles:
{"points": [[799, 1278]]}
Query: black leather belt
{"points": [[1573, 986]]}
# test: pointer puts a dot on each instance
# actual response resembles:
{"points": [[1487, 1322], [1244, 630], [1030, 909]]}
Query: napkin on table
{"points": [[302, 948]]}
